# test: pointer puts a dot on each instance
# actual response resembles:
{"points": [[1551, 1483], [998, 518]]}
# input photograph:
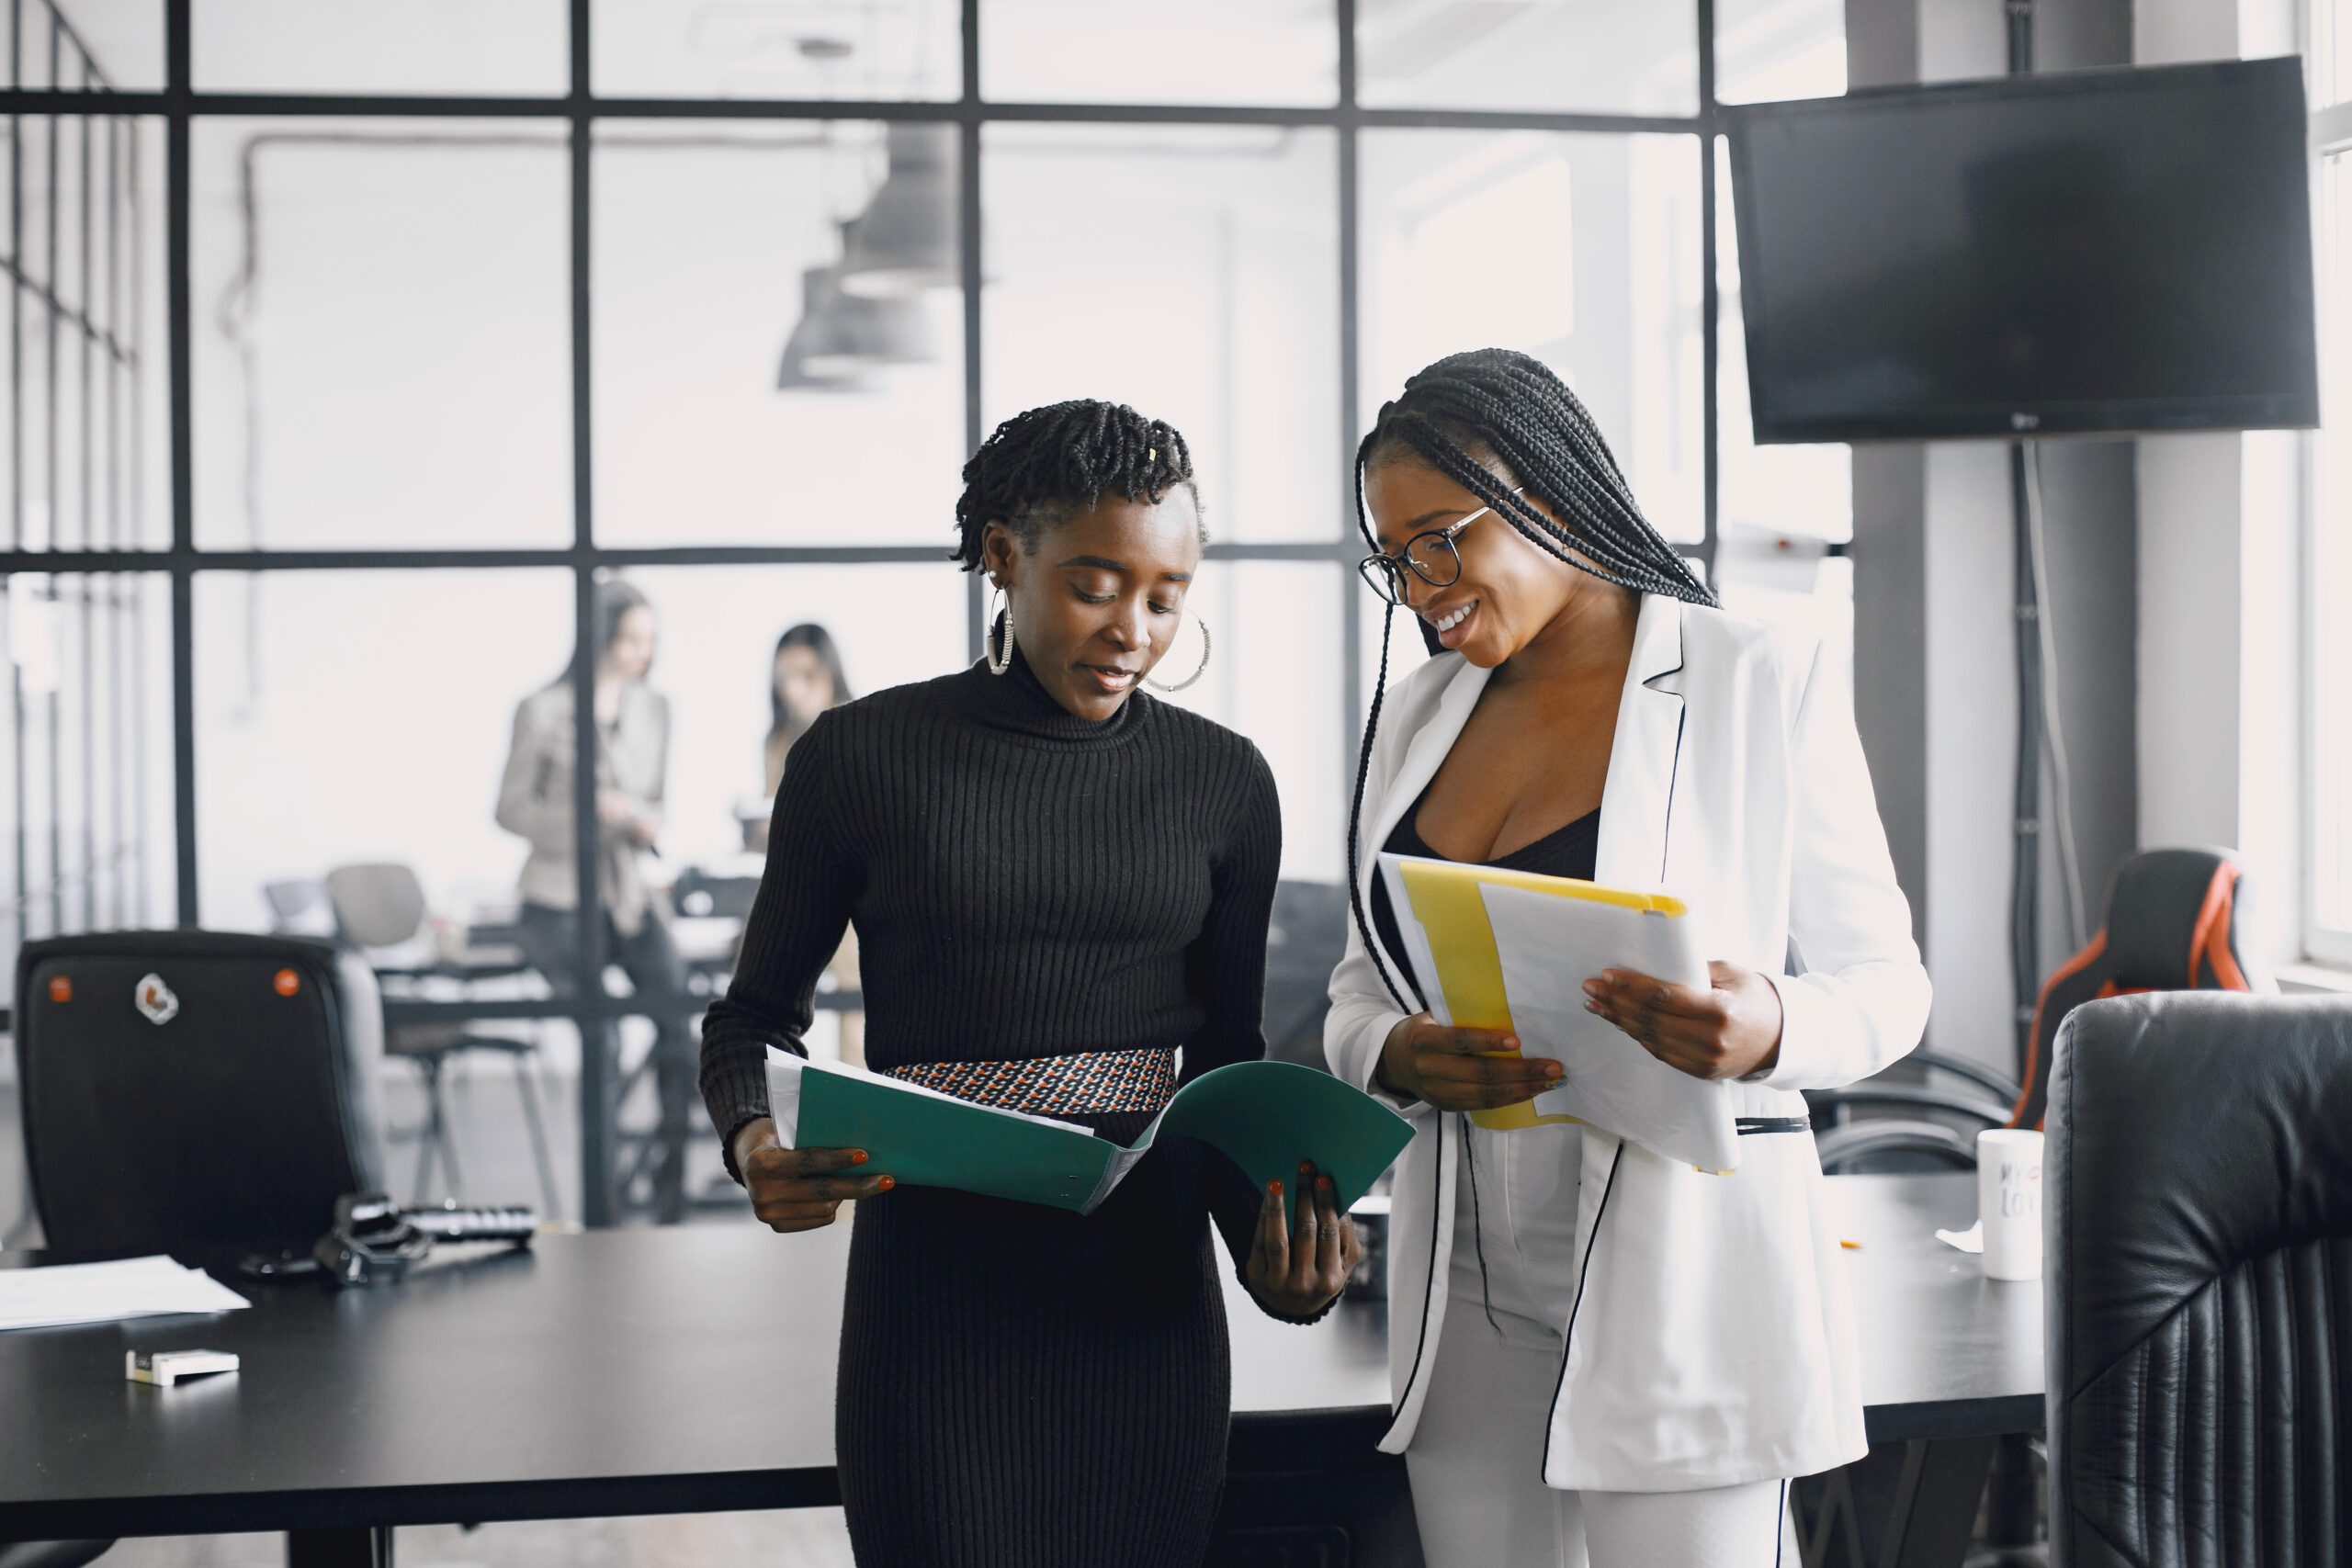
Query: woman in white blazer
{"points": [[1593, 1347]]}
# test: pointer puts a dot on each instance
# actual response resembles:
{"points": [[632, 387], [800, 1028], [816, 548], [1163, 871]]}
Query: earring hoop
{"points": [[998, 664], [1196, 674]]}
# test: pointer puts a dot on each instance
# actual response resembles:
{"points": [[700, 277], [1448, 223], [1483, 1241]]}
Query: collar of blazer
{"points": [[1645, 760]]}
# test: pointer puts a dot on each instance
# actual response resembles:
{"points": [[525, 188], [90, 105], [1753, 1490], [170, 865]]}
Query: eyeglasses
{"points": [[1431, 557]]}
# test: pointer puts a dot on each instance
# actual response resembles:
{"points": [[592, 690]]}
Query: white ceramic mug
{"points": [[2008, 1203]]}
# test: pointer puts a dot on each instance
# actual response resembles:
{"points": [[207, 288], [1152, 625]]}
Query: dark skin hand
{"points": [[800, 1189], [1294, 1270], [1454, 1070], [1729, 1030]]}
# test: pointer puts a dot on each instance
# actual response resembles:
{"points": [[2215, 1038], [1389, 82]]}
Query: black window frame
{"points": [[178, 105]]}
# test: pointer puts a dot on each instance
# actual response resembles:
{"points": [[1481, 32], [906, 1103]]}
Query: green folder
{"points": [[1264, 1116]]}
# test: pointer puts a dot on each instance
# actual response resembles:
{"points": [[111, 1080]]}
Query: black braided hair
{"points": [[1462, 416], [1050, 464]]}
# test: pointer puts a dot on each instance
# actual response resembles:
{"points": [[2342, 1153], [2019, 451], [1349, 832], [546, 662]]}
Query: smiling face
{"points": [[1098, 601], [1510, 591]]}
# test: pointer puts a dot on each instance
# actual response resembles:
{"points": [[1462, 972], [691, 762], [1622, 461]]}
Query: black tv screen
{"points": [[2093, 251]]}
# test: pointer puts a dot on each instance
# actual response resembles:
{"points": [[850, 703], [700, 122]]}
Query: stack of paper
{"points": [[103, 1292], [1511, 950]]}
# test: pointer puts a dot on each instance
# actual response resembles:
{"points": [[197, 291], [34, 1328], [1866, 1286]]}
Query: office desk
{"points": [[691, 1370], [612, 1373], [1951, 1363]]}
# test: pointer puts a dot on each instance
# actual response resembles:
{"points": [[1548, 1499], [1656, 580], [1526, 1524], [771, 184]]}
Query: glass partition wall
{"points": [[358, 354]]}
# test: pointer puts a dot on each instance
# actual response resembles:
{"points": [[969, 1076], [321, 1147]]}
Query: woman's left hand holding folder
{"points": [[1729, 1030], [800, 1189], [1295, 1267]]}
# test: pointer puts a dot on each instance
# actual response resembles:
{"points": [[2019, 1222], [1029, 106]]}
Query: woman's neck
{"points": [[1591, 635]]}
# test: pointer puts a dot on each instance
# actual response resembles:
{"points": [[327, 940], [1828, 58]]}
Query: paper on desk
{"points": [[1548, 947], [105, 1292], [1970, 1240]]}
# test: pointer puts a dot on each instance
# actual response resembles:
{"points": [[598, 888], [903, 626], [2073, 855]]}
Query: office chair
{"points": [[2196, 1190], [2171, 925], [240, 1070], [384, 905]]}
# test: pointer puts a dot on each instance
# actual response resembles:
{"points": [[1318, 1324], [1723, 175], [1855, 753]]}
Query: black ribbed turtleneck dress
{"points": [[1019, 1385]]}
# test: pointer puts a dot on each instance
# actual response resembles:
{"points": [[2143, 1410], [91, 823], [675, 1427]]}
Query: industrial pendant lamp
{"points": [[841, 336], [906, 241]]}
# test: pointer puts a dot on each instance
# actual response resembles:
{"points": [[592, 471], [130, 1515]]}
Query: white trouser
{"points": [[1476, 1458]]}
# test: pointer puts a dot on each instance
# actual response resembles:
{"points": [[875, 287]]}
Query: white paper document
{"points": [[104, 1292], [1549, 946]]}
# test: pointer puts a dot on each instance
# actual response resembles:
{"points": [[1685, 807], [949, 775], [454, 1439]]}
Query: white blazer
{"points": [[1710, 1341]]}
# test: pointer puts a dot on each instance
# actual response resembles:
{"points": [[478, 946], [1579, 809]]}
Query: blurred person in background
{"points": [[807, 679], [534, 802]]}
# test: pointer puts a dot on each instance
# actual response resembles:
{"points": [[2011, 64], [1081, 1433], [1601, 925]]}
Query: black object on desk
{"points": [[241, 1069]]}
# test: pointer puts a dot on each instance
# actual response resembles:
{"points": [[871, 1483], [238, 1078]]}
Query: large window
{"points": [[2329, 641], [357, 349]]}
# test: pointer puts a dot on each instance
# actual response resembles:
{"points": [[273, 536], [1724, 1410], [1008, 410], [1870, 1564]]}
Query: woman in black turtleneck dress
{"points": [[1057, 883]]}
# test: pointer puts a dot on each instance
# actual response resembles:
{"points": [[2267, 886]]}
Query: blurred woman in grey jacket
{"points": [[534, 802]]}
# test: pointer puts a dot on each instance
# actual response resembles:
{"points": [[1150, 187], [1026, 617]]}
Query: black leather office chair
{"points": [[195, 1091], [2198, 1270]]}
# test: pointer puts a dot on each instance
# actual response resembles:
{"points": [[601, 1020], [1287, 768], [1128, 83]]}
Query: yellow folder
{"points": [[1445, 900]]}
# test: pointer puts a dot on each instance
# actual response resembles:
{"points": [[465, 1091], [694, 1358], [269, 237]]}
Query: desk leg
{"points": [[599, 1041], [361, 1548], [1902, 1506]]}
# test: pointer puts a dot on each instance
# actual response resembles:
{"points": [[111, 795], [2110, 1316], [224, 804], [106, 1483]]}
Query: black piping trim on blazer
{"points": [[1675, 773], [1749, 1126], [1567, 1335], [1429, 1289]]}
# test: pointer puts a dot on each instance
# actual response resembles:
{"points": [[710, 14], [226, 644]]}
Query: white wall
{"points": [[2220, 606]]}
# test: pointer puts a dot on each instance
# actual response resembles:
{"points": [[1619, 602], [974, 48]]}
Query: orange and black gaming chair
{"points": [[2171, 925]]}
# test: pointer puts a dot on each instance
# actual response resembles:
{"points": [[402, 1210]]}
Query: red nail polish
{"points": [[1276, 1188], [1323, 1184], [886, 1182], [857, 1157], [1304, 1166]]}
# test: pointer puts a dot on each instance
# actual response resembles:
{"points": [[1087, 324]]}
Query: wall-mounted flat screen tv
{"points": [[2123, 250]]}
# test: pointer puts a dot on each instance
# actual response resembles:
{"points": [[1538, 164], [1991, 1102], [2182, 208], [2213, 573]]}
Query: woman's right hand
{"points": [[1447, 1067], [800, 1190]]}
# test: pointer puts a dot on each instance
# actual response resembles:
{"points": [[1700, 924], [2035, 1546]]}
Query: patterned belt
{"points": [[1086, 1083]]}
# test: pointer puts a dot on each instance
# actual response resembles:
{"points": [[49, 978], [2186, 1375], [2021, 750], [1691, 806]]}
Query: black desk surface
{"points": [[692, 1369], [1946, 1352]]}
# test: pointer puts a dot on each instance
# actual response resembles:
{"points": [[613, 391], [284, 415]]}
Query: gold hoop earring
{"points": [[999, 664], [1195, 675]]}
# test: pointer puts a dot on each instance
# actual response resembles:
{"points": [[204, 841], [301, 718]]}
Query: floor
{"points": [[495, 1154]]}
